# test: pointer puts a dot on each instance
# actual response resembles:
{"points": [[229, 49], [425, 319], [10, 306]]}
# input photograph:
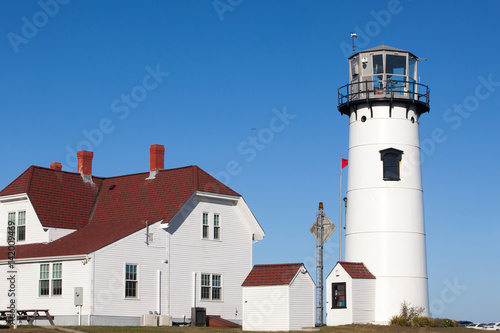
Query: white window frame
{"points": [[136, 280], [217, 227], [205, 226], [44, 278], [11, 226], [19, 225], [211, 287], [56, 279], [14, 224]]}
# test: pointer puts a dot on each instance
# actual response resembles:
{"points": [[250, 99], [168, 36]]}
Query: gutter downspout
{"points": [[92, 290]]}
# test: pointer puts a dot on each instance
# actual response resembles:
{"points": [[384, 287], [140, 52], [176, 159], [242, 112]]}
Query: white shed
{"points": [[278, 297], [350, 294]]}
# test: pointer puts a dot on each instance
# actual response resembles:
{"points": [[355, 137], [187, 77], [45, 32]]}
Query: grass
{"points": [[325, 329]]}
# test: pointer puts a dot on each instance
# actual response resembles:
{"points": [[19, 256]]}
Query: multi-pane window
{"points": [[56, 279], [131, 281], [16, 231], [216, 226], [21, 226], [205, 286], [211, 287], [338, 295], [44, 289], [11, 227], [391, 159], [205, 225], [211, 226], [45, 280], [216, 287]]}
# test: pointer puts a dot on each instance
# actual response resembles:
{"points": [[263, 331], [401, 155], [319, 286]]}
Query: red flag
{"points": [[344, 162]]}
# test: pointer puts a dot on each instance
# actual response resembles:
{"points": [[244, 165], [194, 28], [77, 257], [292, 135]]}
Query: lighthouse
{"points": [[385, 256]]}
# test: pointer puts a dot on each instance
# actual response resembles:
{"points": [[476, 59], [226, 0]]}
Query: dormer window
{"points": [[16, 228], [21, 226], [391, 159]]}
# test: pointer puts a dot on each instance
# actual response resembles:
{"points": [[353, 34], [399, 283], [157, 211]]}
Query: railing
{"points": [[380, 89]]}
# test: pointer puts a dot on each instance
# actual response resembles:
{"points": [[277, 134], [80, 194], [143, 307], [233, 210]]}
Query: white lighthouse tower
{"points": [[385, 213]]}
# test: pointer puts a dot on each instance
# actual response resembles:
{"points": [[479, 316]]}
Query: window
{"points": [[211, 287], [45, 282], [56, 279], [205, 286], [44, 289], [216, 287], [391, 159], [205, 225], [21, 226], [11, 227], [130, 281], [338, 295], [216, 226], [16, 232], [211, 228]]}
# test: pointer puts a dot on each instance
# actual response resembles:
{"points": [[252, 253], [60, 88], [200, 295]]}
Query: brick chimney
{"points": [[156, 160], [85, 164], [56, 166]]}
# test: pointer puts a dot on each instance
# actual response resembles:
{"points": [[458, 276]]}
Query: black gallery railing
{"points": [[379, 89]]}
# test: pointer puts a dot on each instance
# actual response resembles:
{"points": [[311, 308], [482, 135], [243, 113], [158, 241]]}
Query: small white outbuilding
{"points": [[350, 294], [278, 297]]}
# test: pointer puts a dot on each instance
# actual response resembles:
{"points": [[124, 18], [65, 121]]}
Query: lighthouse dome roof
{"points": [[383, 48]]}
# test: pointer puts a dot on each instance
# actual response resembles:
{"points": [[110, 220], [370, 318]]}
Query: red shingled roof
{"points": [[271, 275], [357, 270], [107, 210], [61, 199]]}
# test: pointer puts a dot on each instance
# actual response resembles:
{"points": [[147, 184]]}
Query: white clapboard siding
{"points": [[34, 229], [266, 308], [363, 300], [302, 309], [56, 233], [190, 255], [109, 274], [74, 274], [337, 316]]}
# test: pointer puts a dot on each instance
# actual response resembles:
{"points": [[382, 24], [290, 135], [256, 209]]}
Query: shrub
{"points": [[444, 322], [399, 321], [407, 314], [422, 322]]}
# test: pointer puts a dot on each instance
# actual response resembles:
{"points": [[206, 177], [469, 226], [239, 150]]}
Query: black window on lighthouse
{"points": [[391, 159]]}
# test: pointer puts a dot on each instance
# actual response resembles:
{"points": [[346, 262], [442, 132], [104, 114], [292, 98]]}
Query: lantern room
{"points": [[382, 73]]}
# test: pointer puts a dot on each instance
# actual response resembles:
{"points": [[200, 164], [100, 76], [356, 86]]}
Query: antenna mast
{"points": [[353, 35], [322, 228], [319, 266]]}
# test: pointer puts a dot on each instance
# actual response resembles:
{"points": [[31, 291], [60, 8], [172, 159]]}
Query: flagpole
{"points": [[340, 212]]}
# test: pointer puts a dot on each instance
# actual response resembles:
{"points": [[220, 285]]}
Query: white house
{"points": [[163, 241], [350, 294], [278, 297]]}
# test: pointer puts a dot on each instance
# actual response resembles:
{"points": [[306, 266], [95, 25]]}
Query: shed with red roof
{"points": [[278, 297], [350, 294]]}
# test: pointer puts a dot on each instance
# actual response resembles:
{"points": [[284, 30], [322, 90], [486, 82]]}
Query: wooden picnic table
{"points": [[29, 315]]}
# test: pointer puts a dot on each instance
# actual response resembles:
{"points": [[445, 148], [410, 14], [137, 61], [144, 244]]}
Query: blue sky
{"points": [[247, 90]]}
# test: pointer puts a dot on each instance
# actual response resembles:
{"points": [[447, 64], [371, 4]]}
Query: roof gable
{"points": [[356, 270], [272, 275], [20, 184]]}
